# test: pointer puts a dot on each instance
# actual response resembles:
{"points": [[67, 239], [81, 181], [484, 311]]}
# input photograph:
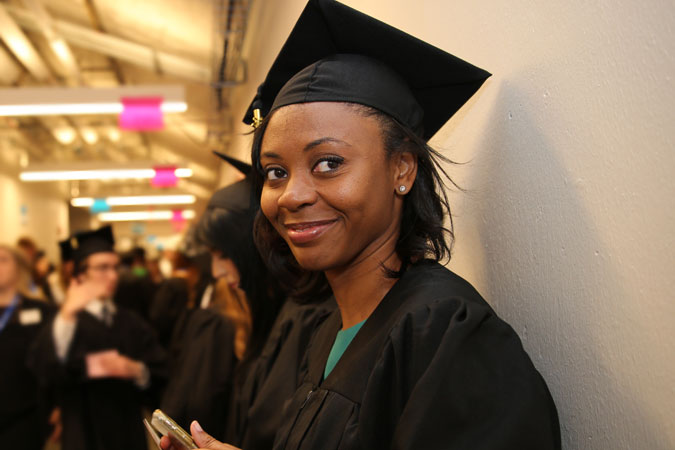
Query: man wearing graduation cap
{"points": [[100, 357]]}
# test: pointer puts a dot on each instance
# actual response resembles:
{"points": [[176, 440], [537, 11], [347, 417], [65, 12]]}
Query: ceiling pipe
{"points": [[122, 49], [9, 70], [21, 46], [57, 45]]}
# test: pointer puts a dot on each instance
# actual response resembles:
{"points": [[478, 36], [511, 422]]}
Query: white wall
{"points": [[567, 224], [32, 210]]}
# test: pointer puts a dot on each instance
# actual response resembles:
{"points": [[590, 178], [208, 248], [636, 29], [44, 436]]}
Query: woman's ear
{"points": [[406, 172]]}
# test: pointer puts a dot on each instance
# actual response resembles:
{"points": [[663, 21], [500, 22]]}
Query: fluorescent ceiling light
{"points": [[38, 101], [183, 172], [70, 109], [138, 216], [137, 200], [102, 174]]}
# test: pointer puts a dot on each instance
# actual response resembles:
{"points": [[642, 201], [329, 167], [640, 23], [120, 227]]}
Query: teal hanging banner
{"points": [[99, 205]]}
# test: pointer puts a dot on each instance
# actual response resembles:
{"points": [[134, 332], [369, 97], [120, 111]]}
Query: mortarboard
{"points": [[241, 166], [66, 250], [237, 197], [87, 243], [336, 53]]}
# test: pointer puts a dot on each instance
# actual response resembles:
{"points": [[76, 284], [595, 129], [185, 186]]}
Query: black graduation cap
{"points": [[237, 197], [241, 166], [336, 53], [87, 243], [66, 250]]}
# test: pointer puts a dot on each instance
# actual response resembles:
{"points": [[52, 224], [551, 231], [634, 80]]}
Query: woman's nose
{"points": [[299, 191]]}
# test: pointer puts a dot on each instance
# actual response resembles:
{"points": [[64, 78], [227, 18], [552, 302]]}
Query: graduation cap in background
{"points": [[66, 250], [241, 166], [336, 53], [237, 197], [87, 243]]}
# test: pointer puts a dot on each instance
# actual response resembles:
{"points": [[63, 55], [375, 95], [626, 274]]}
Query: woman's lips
{"points": [[303, 232]]}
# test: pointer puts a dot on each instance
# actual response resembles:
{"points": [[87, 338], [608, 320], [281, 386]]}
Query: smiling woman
{"points": [[352, 202]]}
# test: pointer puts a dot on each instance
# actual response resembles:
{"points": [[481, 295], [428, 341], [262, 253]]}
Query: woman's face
{"points": [[224, 268], [9, 272], [330, 188]]}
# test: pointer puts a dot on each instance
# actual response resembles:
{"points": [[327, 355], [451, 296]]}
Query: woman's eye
{"points": [[275, 173], [328, 165]]}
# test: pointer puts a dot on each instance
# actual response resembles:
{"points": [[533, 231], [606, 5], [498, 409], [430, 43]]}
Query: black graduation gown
{"points": [[200, 381], [106, 413], [135, 292], [432, 368], [169, 302], [273, 376], [24, 409]]}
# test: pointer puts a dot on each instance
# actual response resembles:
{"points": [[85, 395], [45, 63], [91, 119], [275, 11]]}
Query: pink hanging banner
{"points": [[177, 220], [141, 114], [165, 176]]}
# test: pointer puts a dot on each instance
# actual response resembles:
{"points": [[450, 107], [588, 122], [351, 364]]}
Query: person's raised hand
{"points": [[78, 295]]}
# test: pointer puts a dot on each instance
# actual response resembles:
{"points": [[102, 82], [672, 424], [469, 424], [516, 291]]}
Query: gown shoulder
{"points": [[433, 367]]}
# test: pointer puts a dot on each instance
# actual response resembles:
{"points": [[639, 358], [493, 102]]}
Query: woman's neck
{"points": [[6, 296], [360, 287]]}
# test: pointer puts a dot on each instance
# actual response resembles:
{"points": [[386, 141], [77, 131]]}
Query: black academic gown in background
{"points": [[24, 409], [135, 292], [106, 413], [200, 381], [167, 306], [268, 383], [433, 367]]}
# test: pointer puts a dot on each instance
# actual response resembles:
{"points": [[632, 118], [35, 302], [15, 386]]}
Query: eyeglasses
{"points": [[102, 268]]}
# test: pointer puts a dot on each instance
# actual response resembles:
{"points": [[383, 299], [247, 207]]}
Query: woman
{"points": [[24, 408], [210, 339], [352, 198]]}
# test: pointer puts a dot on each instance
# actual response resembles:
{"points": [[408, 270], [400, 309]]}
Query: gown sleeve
{"points": [[454, 376]]}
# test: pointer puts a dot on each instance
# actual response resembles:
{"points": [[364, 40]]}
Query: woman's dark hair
{"points": [[231, 233], [423, 232]]}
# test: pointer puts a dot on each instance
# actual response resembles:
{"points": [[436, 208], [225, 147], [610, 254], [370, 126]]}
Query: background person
{"points": [[24, 408], [101, 358]]}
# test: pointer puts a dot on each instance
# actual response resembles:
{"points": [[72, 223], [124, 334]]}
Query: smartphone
{"points": [[163, 425]]}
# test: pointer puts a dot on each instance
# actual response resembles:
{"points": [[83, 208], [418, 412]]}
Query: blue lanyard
{"points": [[8, 312]]}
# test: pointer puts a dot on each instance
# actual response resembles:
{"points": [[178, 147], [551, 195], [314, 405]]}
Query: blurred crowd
{"points": [[95, 342]]}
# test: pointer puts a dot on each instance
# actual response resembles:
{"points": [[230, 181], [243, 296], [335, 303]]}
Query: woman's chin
{"points": [[312, 262]]}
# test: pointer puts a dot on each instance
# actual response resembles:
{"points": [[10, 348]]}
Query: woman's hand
{"points": [[204, 440]]}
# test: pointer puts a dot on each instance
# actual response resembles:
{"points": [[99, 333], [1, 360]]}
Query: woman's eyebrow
{"points": [[323, 140], [270, 155], [308, 147]]}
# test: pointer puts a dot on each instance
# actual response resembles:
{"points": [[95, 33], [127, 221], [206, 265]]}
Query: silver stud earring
{"points": [[401, 188]]}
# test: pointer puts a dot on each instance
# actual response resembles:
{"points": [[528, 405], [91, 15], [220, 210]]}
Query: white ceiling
{"points": [[182, 41]]}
